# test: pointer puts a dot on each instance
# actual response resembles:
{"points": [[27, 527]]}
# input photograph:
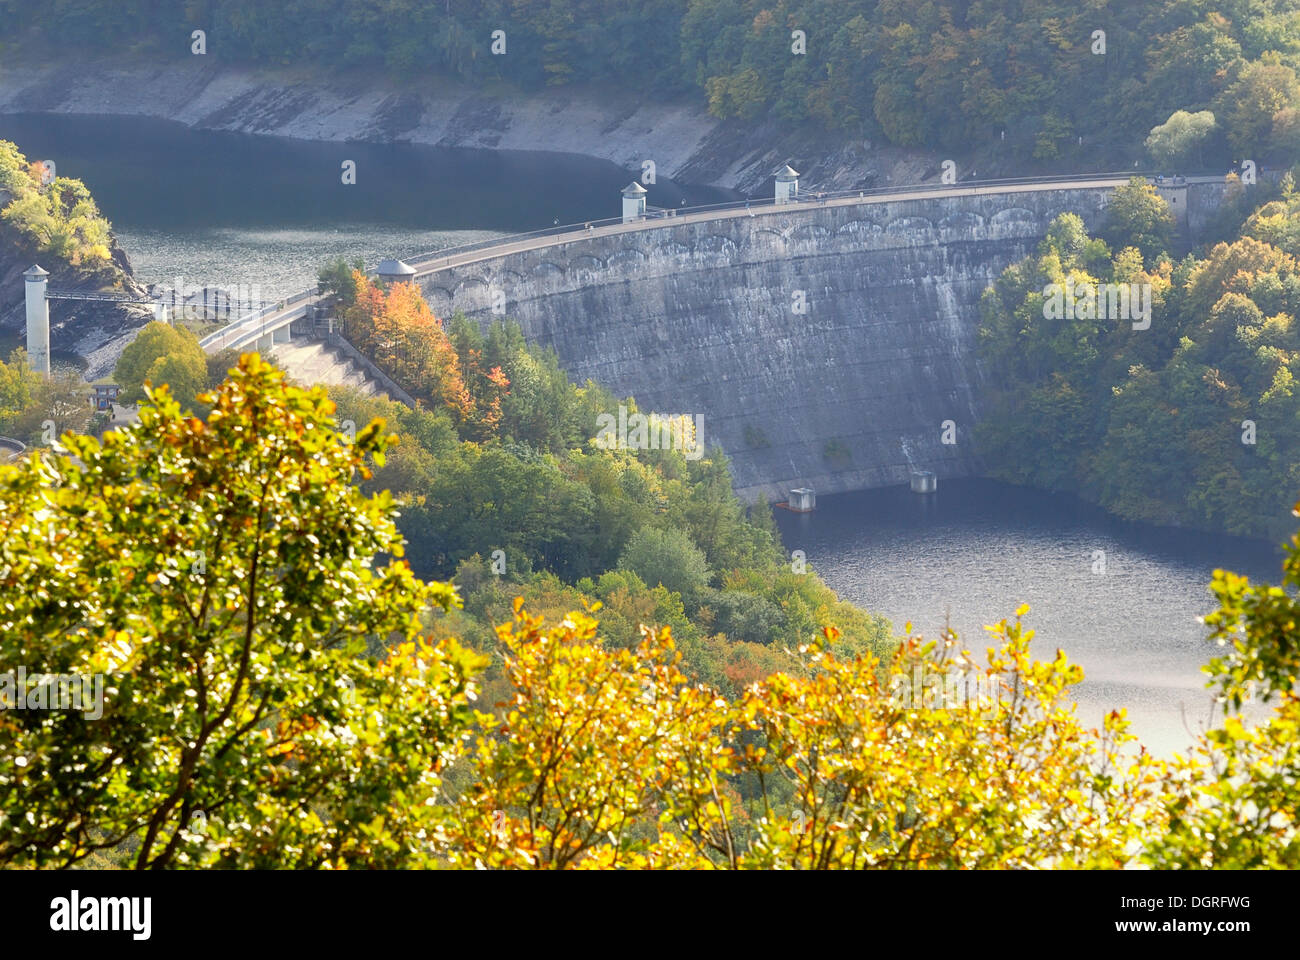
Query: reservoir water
{"points": [[223, 209], [1120, 599], [228, 209]]}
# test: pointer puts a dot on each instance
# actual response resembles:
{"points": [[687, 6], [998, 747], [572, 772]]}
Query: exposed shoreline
{"points": [[684, 141]]}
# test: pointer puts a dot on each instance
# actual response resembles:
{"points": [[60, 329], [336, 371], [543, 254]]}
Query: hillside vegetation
{"points": [[1031, 79], [1190, 416], [55, 217], [503, 489]]}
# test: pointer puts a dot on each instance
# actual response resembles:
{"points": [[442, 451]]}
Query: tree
{"points": [[668, 557], [399, 332], [338, 278], [1180, 138], [596, 755], [30, 401], [1235, 803], [608, 758], [257, 666], [1137, 215], [162, 351], [1249, 104]]}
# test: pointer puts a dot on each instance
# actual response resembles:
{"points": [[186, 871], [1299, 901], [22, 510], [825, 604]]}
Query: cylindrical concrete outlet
{"points": [[38, 320], [924, 481]]}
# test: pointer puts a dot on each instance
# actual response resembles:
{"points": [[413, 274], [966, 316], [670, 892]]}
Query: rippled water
{"points": [[226, 209], [971, 553], [278, 262]]}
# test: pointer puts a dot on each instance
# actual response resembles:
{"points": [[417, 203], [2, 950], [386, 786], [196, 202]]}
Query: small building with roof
{"points": [[395, 271], [787, 184], [634, 202]]}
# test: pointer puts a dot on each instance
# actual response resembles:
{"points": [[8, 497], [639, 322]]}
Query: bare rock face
{"points": [[95, 331]]}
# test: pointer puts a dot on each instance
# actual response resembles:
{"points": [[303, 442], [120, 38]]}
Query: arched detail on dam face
{"points": [[704, 318]]}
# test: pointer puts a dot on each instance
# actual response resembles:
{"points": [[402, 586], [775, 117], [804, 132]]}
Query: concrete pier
{"points": [[38, 319]]}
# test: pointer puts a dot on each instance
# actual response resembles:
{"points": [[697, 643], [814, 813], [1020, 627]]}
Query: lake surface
{"points": [[223, 209], [975, 550], [227, 209]]}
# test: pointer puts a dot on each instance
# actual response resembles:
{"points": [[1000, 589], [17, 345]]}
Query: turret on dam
{"points": [[828, 344]]}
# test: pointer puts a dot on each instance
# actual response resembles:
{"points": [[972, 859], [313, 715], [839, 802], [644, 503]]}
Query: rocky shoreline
{"points": [[96, 331], [686, 144]]}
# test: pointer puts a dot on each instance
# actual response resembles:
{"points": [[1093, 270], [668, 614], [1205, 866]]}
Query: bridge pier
{"points": [[282, 334], [265, 343], [38, 319]]}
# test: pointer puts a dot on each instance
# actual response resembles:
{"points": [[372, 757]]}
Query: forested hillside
{"points": [[1189, 416], [1033, 78]]}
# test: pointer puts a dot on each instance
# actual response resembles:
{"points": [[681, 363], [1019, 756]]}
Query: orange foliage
{"points": [[400, 333]]}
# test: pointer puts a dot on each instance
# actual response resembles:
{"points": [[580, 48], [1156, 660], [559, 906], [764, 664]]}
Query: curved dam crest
{"points": [[701, 318]]}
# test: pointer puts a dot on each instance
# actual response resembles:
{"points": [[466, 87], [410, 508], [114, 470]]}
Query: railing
{"points": [[765, 203], [428, 263], [15, 448], [107, 297]]}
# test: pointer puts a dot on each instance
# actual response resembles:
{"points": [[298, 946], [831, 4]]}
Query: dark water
{"points": [[974, 551], [149, 174], [208, 208]]}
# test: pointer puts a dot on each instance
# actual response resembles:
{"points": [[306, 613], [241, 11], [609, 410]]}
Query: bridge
{"points": [[38, 295], [827, 340]]}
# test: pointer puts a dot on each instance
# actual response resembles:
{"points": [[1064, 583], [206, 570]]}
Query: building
{"points": [[802, 500], [104, 395], [787, 185], [395, 271], [633, 202]]}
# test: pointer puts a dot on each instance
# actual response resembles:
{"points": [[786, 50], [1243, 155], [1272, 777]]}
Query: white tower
{"points": [[787, 185], [38, 320], [633, 202]]}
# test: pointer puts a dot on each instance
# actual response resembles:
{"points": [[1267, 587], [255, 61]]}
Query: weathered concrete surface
{"points": [[699, 319]]}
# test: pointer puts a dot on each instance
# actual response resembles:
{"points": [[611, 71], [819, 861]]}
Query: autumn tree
{"points": [[163, 354], [604, 758], [267, 699], [396, 328], [1234, 802]]}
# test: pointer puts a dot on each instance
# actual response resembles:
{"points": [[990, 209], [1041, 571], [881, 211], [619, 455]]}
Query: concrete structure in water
{"points": [[802, 500], [924, 481], [38, 319]]}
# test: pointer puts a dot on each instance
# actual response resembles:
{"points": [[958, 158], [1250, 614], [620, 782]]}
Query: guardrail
{"points": [[752, 204], [15, 448], [428, 263]]}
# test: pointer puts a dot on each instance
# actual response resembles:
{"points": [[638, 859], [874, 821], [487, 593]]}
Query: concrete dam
{"points": [[829, 345], [823, 342]]}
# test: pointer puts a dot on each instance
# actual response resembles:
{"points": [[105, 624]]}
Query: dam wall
{"points": [[830, 346]]}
